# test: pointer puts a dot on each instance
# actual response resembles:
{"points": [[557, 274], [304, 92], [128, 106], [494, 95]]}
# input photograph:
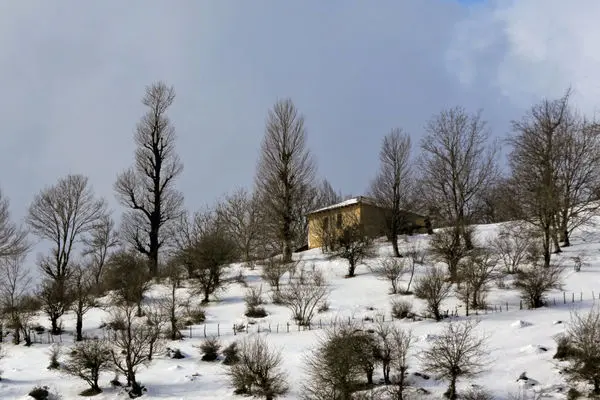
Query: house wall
{"points": [[349, 215]]}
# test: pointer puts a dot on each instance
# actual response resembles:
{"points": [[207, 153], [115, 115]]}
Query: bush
{"points": [[477, 394], [210, 349], [401, 309], [54, 354], [253, 300], [258, 371], [174, 353], [563, 348], [434, 289], [40, 393], [195, 316], [231, 354]]}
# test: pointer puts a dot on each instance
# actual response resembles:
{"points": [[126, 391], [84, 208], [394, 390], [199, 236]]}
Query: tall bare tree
{"points": [[98, 245], [147, 188], [13, 240], [83, 296], [578, 174], [326, 195], [239, 213], [537, 145], [285, 172], [393, 184], [15, 282], [63, 214], [458, 163]]}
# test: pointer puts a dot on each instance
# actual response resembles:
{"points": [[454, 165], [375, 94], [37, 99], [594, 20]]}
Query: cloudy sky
{"points": [[72, 74]]}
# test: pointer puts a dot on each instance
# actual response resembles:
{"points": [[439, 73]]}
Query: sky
{"points": [[72, 75]]}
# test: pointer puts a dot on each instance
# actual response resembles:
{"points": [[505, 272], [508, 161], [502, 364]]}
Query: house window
{"points": [[339, 221]]}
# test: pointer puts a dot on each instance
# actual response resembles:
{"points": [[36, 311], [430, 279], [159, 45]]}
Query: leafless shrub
{"points": [[87, 360], [273, 270], [577, 263], [477, 394], [210, 348], [334, 369], [475, 273], [231, 354], [433, 288], [253, 300], [402, 341], [304, 295], [392, 269], [536, 281], [513, 244], [417, 253], [55, 352], [582, 343], [401, 308], [15, 281], [457, 352], [258, 371], [156, 320]]}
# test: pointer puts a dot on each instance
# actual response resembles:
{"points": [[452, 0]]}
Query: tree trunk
{"points": [[55, 330], [351, 269], [451, 393], [140, 313], [394, 240], [386, 373], [412, 274], [369, 372], [17, 335], [566, 240], [79, 327], [546, 246]]}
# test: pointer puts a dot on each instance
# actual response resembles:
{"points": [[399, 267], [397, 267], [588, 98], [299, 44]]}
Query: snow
{"points": [[346, 203], [519, 340]]}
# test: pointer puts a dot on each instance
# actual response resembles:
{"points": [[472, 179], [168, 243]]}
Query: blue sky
{"points": [[72, 76]]}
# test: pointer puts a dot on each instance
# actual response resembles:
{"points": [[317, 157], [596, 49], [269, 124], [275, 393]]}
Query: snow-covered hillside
{"points": [[520, 340]]}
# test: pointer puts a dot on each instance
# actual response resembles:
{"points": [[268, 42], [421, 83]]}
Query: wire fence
{"points": [[209, 329]]}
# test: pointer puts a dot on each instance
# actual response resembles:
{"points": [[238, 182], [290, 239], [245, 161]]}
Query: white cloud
{"points": [[530, 49]]}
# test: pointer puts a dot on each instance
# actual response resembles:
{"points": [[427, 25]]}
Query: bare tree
{"points": [[457, 352], [583, 342], [83, 296], [63, 214], [537, 145], [13, 240], [326, 195], [353, 245], [457, 165], [402, 341], [476, 272], [578, 174], [536, 281], [285, 172], [15, 282], [131, 344], [273, 270], [447, 246], [239, 213], [393, 184], [127, 275], [392, 270], [98, 245], [147, 189], [304, 295], [335, 367], [512, 245], [258, 371], [56, 297], [87, 360], [434, 289], [172, 305]]}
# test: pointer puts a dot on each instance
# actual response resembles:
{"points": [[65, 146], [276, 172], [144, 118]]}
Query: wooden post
{"points": [[320, 324], [278, 327], [554, 300], [581, 296], [190, 331], [564, 297], [288, 327], [205, 330], [573, 297], [218, 330], [520, 304], [593, 298], [507, 306], [234, 332]]}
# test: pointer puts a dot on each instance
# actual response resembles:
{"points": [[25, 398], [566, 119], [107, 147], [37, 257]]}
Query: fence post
{"points": [[564, 297], [218, 330], [520, 304], [278, 327], [593, 298], [320, 324], [234, 332], [573, 297], [581, 296], [288, 327], [507, 306], [554, 300], [204, 330]]}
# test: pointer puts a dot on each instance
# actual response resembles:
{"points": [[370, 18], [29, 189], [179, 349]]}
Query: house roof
{"points": [[345, 203]]}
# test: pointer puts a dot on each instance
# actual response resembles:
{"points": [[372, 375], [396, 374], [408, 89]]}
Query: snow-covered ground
{"points": [[519, 340]]}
